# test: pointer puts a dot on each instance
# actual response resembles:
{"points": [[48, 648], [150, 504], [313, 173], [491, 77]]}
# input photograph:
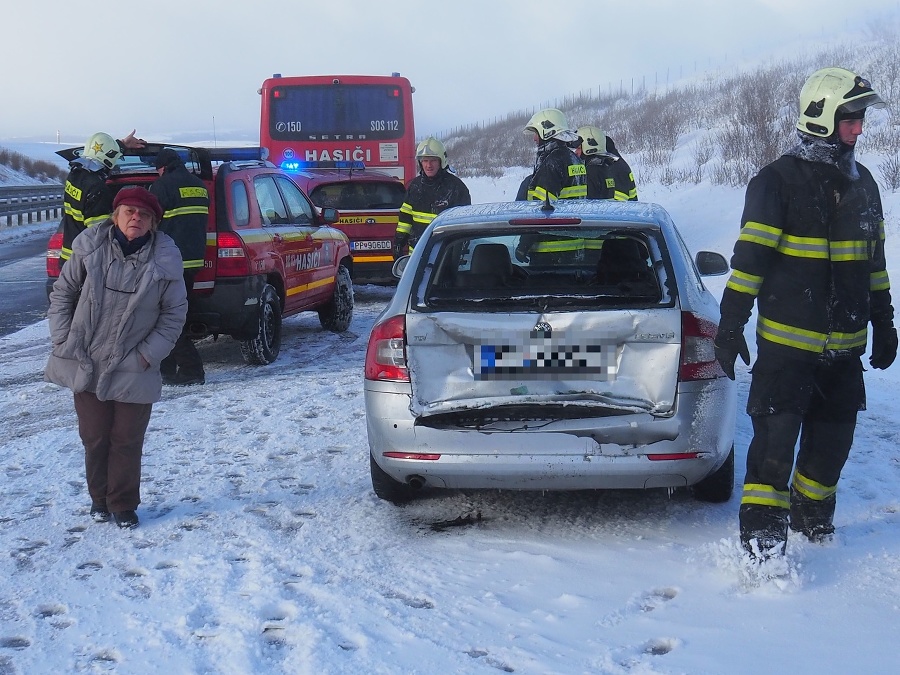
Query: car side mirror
{"points": [[711, 264], [399, 266], [330, 215]]}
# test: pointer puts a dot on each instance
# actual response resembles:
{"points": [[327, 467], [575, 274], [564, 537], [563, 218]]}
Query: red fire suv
{"points": [[270, 252]]}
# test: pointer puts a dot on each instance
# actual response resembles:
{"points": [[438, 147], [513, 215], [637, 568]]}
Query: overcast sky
{"points": [[195, 66]]}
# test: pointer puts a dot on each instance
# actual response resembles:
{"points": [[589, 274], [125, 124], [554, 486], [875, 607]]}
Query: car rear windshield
{"points": [[577, 267], [359, 195]]}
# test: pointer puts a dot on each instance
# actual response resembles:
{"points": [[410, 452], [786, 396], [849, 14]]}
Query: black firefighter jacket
{"points": [[558, 173], [811, 254], [425, 199], [87, 201], [185, 204], [609, 177]]}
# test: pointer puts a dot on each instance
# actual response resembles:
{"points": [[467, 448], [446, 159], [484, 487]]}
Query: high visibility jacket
{"points": [[87, 201], [811, 254], [185, 204], [558, 173], [425, 199], [609, 177]]}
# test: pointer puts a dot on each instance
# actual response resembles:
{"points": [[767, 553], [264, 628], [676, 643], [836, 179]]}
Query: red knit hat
{"points": [[139, 197]]}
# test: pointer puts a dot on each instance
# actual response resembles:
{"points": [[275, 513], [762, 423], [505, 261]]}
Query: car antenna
{"points": [[547, 207]]}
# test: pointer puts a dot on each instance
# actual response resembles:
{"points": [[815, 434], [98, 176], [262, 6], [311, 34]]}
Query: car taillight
{"points": [[54, 253], [698, 352], [386, 353], [231, 258]]}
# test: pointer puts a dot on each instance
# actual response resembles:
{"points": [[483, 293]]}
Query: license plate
{"points": [[540, 359], [381, 245]]}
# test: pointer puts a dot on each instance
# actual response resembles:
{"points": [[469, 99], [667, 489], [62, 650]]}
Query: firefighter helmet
{"points": [[829, 93], [432, 147], [104, 149], [548, 123], [593, 140]]}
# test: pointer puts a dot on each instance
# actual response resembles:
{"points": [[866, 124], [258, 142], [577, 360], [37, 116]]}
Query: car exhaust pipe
{"points": [[415, 482]]}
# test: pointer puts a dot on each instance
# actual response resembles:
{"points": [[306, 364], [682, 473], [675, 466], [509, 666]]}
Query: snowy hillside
{"points": [[263, 550]]}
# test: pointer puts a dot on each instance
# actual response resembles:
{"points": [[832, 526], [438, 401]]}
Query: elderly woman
{"points": [[115, 313]]}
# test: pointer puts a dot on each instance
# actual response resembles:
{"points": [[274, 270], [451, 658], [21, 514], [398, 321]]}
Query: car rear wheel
{"points": [[387, 488], [718, 486], [337, 314], [264, 348]]}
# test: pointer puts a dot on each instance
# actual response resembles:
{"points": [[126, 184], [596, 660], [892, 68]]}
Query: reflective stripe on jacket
{"points": [[811, 254], [185, 204], [610, 177], [425, 199], [87, 201], [558, 173]]}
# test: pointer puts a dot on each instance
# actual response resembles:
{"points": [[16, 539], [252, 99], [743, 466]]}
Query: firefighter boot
{"points": [[812, 517], [763, 530]]}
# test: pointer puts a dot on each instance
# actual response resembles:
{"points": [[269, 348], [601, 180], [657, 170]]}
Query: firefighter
{"points": [[811, 255], [608, 174], [558, 174], [185, 203], [435, 189], [87, 200]]}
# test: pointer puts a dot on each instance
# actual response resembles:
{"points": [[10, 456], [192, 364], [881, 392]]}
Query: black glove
{"points": [[401, 246], [729, 343], [884, 346]]}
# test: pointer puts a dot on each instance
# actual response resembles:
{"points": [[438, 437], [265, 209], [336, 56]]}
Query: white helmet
{"points": [[432, 147], [593, 140], [548, 123], [102, 148], [829, 93]]}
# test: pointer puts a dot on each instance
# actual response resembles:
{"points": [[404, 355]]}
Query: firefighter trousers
{"points": [[815, 402], [184, 357]]}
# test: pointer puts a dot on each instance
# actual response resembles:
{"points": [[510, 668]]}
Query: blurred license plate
{"points": [[539, 360], [381, 245]]}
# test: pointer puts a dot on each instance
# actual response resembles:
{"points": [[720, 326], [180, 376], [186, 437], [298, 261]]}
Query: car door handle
{"points": [[277, 238]]}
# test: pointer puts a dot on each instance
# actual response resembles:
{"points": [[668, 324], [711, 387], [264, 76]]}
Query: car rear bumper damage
{"points": [[618, 452]]}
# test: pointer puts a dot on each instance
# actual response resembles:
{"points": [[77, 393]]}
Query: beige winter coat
{"points": [[107, 311]]}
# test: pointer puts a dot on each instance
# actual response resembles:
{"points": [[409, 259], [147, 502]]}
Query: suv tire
{"points": [[264, 348], [387, 488], [337, 314], [718, 486]]}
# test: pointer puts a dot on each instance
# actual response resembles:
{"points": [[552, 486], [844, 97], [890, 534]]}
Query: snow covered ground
{"points": [[262, 548]]}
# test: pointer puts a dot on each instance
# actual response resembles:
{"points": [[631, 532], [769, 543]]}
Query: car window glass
{"points": [[328, 195], [271, 207], [299, 208], [549, 268], [384, 195], [359, 195], [240, 204]]}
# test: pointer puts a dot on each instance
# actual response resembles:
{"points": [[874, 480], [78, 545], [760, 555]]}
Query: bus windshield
{"points": [[353, 112]]}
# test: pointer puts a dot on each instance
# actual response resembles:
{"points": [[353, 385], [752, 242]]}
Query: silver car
{"points": [[538, 346]]}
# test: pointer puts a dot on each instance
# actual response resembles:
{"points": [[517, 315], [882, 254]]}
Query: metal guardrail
{"points": [[23, 205]]}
